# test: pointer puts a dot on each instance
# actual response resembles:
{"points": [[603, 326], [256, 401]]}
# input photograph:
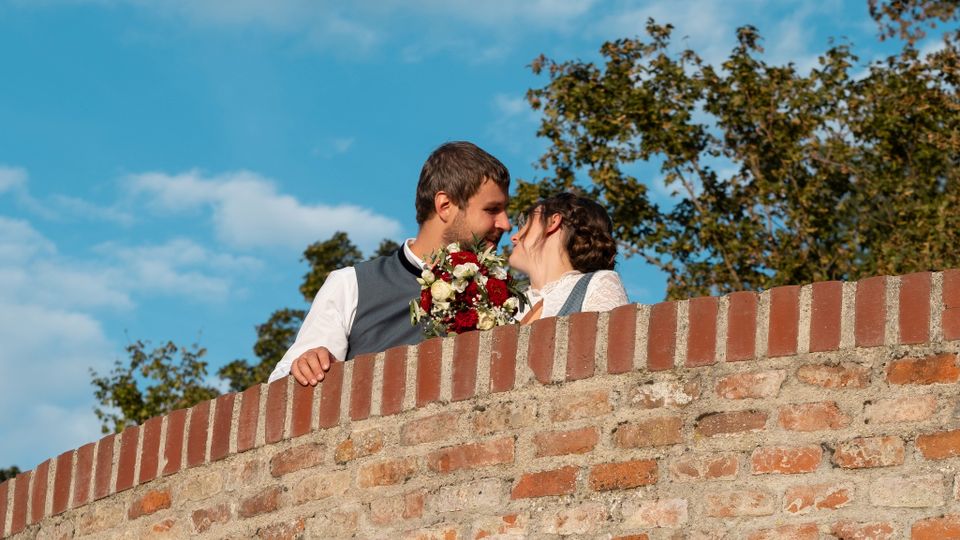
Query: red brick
{"points": [[941, 368], [936, 528], [394, 380], [941, 445], [101, 482], [632, 537], [503, 358], [867, 452], [361, 387], [275, 414], [559, 443], [586, 404], [581, 345], [784, 321], [128, 457], [222, 423], [871, 311], [545, 484], [358, 445], [197, 434], [249, 417], [760, 384], [205, 518], [621, 338], [662, 431], [623, 475], [388, 510], [466, 347], [61, 484], [38, 498], [4, 490], [806, 531], [704, 467], [150, 502], [850, 530], [915, 308], [741, 326], [386, 473], [702, 334], [331, 393], [471, 456], [662, 336], [429, 429], [802, 499], [288, 530], [813, 416], [826, 302], [83, 476], [846, 375], [21, 492], [301, 413], [727, 423], [150, 449], [541, 348], [739, 503], [264, 502], [296, 458], [951, 305], [903, 409], [786, 460], [429, 358]]}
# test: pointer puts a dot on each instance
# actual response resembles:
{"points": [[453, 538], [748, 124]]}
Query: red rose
{"points": [[462, 257], [426, 300], [466, 321], [470, 293], [497, 291]]}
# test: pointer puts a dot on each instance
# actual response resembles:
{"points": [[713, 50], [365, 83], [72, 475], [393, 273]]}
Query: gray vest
{"points": [[574, 303], [386, 286]]}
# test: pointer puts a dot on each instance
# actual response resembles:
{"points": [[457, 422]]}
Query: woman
{"points": [[565, 246]]}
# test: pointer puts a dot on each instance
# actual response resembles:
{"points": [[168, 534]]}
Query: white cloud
{"points": [[248, 212], [12, 178], [334, 146]]}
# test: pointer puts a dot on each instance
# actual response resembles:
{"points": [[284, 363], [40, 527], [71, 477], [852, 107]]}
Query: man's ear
{"points": [[553, 224], [443, 206]]}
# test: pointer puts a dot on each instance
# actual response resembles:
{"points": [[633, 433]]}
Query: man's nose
{"points": [[503, 222]]}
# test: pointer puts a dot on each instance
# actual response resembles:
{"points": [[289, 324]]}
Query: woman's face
{"points": [[525, 243]]}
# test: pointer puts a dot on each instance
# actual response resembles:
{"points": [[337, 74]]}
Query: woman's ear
{"points": [[443, 206], [553, 224]]}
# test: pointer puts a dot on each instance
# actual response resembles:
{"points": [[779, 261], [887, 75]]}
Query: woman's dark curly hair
{"points": [[587, 230]]}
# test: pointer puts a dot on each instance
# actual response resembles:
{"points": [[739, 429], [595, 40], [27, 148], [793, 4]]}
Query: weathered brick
{"points": [[845, 375], [471, 456], [693, 467], [361, 387], [812, 416], [643, 514], [296, 458], [387, 472], [641, 536], [301, 413], [487, 493], [806, 531], [149, 503], [908, 491], [806, 498], [83, 476], [508, 526], [546, 483], [96, 518], [662, 336], [429, 429], [197, 434], [951, 305], [466, 347], [331, 394], [150, 449], [581, 347], [915, 308], [745, 502], [222, 424], [826, 301], [936, 528], [275, 410], [584, 404], [784, 321], [741, 326], [358, 445], [127, 461], [429, 360], [176, 423], [38, 492], [940, 368], [871, 311], [559, 443], [394, 380], [61, 486], [756, 385], [101, 481], [287, 530], [438, 532], [941, 445], [205, 518], [504, 416], [541, 348], [587, 518], [702, 331], [249, 417], [786, 460], [503, 357], [902, 409], [320, 486], [670, 394], [621, 338], [388, 510], [337, 523], [729, 423], [267, 500], [851, 530], [865, 452], [661, 431], [623, 475], [202, 485]]}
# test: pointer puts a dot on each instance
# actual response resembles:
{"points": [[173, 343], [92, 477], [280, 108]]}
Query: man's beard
{"points": [[459, 232]]}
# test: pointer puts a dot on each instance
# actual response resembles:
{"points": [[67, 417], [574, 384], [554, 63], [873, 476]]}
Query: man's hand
{"points": [[311, 366]]}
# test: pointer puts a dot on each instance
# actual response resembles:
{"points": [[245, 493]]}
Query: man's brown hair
{"points": [[459, 169]]}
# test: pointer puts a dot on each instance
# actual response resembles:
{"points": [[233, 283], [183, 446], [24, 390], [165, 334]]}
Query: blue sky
{"points": [[163, 163]]}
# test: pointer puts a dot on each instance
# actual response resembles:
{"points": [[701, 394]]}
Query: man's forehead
{"points": [[490, 191]]}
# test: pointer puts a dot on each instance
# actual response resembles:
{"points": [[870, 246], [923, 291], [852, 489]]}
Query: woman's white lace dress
{"points": [[604, 293]]}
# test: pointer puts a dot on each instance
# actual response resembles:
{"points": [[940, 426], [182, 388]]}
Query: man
{"points": [[461, 195]]}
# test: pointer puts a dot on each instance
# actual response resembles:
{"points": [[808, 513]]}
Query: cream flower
{"points": [[441, 290]]}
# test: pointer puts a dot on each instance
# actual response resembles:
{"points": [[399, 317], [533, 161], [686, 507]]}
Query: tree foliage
{"points": [[779, 177], [9, 472], [906, 18]]}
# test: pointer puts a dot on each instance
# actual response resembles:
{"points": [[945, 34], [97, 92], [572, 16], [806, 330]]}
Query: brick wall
{"points": [[828, 410]]}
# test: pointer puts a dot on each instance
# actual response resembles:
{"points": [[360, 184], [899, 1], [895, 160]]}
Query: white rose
{"points": [[511, 303], [465, 270], [441, 290], [428, 277], [485, 320], [460, 285], [453, 248], [499, 272]]}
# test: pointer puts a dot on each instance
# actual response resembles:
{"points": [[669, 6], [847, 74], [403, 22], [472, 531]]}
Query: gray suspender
{"points": [[574, 303]]}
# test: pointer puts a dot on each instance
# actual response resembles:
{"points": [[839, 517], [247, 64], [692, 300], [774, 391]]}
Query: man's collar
{"points": [[410, 256]]}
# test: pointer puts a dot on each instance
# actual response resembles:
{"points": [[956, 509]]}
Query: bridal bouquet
{"points": [[466, 289]]}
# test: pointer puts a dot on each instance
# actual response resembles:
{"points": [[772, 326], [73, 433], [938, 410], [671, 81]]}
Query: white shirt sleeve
{"points": [[328, 322], [604, 292]]}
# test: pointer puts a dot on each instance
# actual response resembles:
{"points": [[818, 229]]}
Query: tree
{"points": [[778, 177], [9, 472], [904, 18]]}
